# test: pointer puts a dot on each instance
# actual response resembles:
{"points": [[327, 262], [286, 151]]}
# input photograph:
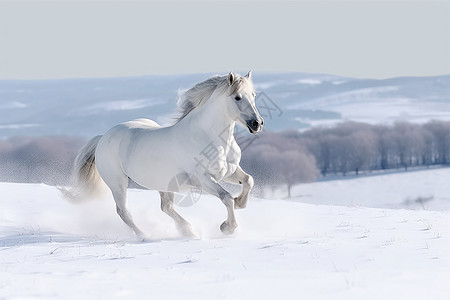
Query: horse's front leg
{"points": [[212, 187], [240, 177]]}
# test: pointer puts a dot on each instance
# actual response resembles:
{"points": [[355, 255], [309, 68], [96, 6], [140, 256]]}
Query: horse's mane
{"points": [[201, 92]]}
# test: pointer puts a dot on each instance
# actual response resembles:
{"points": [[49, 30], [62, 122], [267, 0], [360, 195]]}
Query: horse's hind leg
{"points": [[167, 206], [119, 191], [122, 211]]}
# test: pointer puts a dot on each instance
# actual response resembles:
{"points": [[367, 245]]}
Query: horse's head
{"points": [[241, 102]]}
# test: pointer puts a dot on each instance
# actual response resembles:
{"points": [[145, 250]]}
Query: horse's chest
{"points": [[215, 161]]}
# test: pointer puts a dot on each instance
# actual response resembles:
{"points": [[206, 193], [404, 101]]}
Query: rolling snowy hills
{"points": [[87, 107]]}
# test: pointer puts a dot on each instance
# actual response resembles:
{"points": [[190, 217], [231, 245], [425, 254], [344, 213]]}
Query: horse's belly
{"points": [[153, 170], [155, 181]]}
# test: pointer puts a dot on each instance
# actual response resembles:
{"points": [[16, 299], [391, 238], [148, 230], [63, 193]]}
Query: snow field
{"points": [[52, 249]]}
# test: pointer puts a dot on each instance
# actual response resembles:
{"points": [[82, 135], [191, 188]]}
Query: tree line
{"points": [[292, 157], [273, 158], [46, 159]]}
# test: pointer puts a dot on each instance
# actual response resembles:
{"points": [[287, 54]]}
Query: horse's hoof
{"points": [[140, 235], [227, 228], [188, 231]]}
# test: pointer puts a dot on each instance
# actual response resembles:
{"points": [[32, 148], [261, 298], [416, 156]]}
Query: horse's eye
{"points": [[237, 98]]}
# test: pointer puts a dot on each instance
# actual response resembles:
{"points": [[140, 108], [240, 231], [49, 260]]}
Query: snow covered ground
{"points": [[366, 242]]}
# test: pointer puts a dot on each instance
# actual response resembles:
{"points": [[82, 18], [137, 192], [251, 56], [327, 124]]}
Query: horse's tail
{"points": [[87, 182]]}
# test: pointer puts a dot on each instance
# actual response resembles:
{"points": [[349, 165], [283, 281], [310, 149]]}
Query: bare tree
{"points": [[297, 166], [278, 158], [440, 131]]}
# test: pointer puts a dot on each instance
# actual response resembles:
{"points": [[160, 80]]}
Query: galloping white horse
{"points": [[152, 156]]}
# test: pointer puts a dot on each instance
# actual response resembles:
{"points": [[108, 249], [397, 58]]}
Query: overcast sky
{"points": [[365, 39]]}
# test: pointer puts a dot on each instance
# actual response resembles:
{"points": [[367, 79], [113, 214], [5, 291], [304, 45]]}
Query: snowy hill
{"points": [[282, 250], [86, 107]]}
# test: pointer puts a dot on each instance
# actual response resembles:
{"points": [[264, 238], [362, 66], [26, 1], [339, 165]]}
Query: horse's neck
{"points": [[212, 120]]}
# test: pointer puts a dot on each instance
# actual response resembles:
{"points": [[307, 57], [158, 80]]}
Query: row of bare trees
{"points": [[292, 157], [283, 158], [355, 147], [38, 159], [279, 158]]}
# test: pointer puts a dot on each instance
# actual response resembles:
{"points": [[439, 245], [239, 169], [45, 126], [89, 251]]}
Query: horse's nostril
{"points": [[255, 124], [262, 122]]}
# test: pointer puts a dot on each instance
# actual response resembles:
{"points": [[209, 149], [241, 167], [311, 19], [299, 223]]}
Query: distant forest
{"points": [[273, 158], [292, 157], [38, 159]]}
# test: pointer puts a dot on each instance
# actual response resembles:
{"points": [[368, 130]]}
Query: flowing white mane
{"points": [[201, 92]]}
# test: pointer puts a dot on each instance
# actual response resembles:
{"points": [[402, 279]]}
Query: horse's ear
{"points": [[249, 75], [230, 78]]}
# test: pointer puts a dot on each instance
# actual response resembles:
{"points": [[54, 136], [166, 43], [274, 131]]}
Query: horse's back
{"points": [[142, 123], [126, 132]]}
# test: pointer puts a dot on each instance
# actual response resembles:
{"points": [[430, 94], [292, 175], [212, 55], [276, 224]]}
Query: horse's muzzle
{"points": [[255, 126]]}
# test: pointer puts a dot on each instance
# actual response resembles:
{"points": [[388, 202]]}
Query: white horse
{"points": [[199, 145]]}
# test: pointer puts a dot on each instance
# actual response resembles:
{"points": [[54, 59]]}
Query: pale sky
{"points": [[364, 39]]}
